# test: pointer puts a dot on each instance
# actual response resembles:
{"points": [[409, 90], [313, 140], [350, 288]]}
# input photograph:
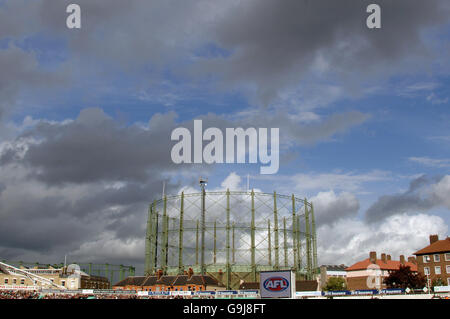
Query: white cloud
{"points": [[329, 207], [441, 191], [350, 240], [339, 181], [431, 162], [232, 181]]}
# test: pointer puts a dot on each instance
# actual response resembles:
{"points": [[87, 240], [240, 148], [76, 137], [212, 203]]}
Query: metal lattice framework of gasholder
{"points": [[231, 235]]}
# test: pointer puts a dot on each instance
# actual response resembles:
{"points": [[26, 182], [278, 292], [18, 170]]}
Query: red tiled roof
{"points": [[150, 281], [131, 281], [440, 246], [166, 280], [388, 265], [201, 280]]}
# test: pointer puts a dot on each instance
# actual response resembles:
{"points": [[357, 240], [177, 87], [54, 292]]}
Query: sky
{"points": [[86, 117]]}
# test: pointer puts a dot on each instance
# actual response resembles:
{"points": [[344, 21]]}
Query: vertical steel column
{"points": [[111, 283], [167, 242], [299, 244], [308, 242], [286, 261], [252, 231], [90, 269], [196, 244], [234, 250], [121, 274], [148, 242], [269, 244], [228, 242], [215, 244], [155, 238], [180, 237], [107, 272], [294, 233], [203, 225], [164, 251], [132, 271], [313, 226], [275, 222]]}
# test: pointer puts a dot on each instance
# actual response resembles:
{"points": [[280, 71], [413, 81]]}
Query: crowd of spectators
{"points": [[24, 294]]}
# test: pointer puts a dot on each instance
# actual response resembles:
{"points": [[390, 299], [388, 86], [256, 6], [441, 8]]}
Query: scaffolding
{"points": [[236, 234]]}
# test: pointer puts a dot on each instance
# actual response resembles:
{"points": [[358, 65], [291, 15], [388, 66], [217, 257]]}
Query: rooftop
{"points": [[438, 246], [384, 265]]}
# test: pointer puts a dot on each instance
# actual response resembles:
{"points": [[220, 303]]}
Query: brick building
{"points": [[328, 271], [433, 261], [159, 282], [371, 272]]}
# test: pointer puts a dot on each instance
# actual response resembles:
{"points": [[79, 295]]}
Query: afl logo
{"points": [[276, 284]]}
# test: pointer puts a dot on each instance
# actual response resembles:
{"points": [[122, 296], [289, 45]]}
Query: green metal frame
{"points": [[299, 236]]}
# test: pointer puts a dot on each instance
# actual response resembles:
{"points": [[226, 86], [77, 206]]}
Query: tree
{"points": [[335, 284], [405, 278], [438, 282]]}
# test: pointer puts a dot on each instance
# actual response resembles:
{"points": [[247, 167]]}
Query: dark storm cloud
{"points": [[96, 148], [269, 45], [418, 198], [274, 43], [20, 72]]}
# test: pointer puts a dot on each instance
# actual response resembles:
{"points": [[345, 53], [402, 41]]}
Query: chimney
{"points": [[412, 260], [373, 257], [388, 257], [383, 257], [433, 239], [190, 273], [159, 273], [402, 260]]}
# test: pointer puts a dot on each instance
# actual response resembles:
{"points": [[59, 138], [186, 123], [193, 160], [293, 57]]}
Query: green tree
{"points": [[405, 278], [335, 284], [438, 282]]}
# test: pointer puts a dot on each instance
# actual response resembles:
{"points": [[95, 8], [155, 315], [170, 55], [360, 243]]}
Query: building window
{"points": [[448, 281], [22, 281], [6, 281], [447, 257], [426, 259], [14, 281], [437, 270], [426, 270], [447, 269], [437, 258], [63, 283]]}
